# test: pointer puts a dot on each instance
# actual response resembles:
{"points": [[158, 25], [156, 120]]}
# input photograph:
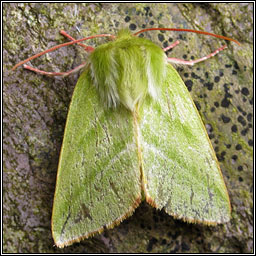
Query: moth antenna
{"points": [[188, 30], [59, 46], [86, 47]]}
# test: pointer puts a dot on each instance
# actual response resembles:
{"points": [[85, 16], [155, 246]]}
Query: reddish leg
{"points": [[171, 46], [55, 73], [192, 62], [42, 72]]}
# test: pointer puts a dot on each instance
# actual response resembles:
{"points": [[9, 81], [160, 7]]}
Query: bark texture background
{"points": [[35, 110]]}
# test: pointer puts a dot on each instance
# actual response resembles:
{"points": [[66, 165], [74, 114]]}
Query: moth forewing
{"points": [[180, 166]]}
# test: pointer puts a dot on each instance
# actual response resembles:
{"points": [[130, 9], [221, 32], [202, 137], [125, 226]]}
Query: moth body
{"points": [[127, 70]]}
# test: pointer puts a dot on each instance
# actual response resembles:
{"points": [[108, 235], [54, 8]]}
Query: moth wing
{"points": [[181, 172], [98, 181]]}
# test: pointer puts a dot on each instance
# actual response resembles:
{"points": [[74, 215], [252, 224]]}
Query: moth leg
{"points": [[192, 62], [86, 47], [171, 46], [55, 73]]}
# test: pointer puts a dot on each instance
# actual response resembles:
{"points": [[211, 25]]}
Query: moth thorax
{"points": [[127, 71]]}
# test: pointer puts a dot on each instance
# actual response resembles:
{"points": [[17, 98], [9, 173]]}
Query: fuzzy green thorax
{"points": [[127, 69]]}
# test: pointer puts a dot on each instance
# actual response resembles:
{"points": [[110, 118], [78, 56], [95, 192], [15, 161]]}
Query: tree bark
{"points": [[35, 109]]}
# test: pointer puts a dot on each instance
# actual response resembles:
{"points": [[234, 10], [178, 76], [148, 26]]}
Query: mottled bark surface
{"points": [[35, 109]]}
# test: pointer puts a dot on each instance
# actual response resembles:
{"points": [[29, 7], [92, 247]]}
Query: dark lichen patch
{"points": [[127, 18], [240, 168], [234, 157], [182, 37], [160, 37], [132, 26], [238, 147], [223, 153], [234, 128], [245, 91], [240, 179], [241, 110], [225, 102], [241, 120], [216, 149], [195, 76], [189, 84], [216, 79], [236, 66], [228, 145], [165, 44], [228, 65], [225, 119], [245, 131], [139, 13], [249, 117], [147, 9], [209, 85], [216, 104], [211, 136], [220, 157]]}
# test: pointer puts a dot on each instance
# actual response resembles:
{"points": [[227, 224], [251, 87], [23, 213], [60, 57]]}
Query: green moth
{"points": [[133, 133]]}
